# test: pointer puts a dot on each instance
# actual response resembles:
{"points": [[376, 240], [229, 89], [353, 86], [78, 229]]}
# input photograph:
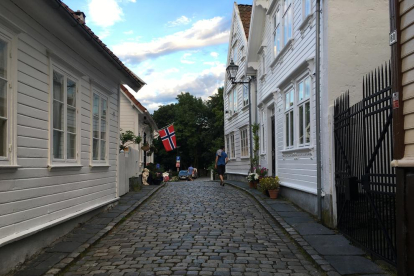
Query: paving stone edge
{"points": [[319, 260], [75, 255]]}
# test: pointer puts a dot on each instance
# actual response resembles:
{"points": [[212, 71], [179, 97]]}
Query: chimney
{"points": [[81, 16]]}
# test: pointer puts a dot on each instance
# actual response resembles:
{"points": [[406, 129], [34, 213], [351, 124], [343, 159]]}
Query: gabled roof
{"points": [[245, 15], [94, 37], [132, 98]]}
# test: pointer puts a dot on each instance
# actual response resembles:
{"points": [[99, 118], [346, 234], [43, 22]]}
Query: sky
{"points": [[173, 45]]}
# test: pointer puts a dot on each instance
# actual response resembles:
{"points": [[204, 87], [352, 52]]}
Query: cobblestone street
{"points": [[196, 228]]}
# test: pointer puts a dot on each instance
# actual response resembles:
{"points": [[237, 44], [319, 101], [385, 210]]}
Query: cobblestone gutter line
{"points": [[296, 237], [60, 267]]}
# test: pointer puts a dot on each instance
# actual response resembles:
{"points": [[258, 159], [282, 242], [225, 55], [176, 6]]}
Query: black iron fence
{"points": [[364, 179]]}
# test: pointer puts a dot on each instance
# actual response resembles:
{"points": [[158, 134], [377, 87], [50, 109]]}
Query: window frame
{"points": [[245, 93], [234, 55], [263, 130], [66, 74], [277, 26], [302, 103], [244, 142], [235, 100], [232, 150], [304, 5], [230, 102], [289, 118], [101, 96], [283, 13], [10, 142]]}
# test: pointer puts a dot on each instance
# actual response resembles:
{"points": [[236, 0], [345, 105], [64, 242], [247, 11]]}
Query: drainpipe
{"points": [[318, 111], [250, 124]]}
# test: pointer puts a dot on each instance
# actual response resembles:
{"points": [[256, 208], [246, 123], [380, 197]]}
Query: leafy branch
{"points": [[255, 159], [128, 138]]}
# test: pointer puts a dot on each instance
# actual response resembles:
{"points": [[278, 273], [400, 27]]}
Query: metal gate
{"points": [[364, 179]]}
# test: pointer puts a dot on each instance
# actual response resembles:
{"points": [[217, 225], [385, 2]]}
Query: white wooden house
{"points": [[59, 120], [135, 117], [281, 53], [236, 98]]}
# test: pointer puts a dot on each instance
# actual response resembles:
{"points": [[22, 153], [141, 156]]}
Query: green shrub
{"points": [[269, 183]]}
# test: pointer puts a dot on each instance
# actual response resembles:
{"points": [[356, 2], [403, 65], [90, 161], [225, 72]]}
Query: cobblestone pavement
{"points": [[196, 228]]}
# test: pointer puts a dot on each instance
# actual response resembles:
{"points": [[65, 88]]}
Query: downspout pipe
{"points": [[250, 124], [318, 111]]}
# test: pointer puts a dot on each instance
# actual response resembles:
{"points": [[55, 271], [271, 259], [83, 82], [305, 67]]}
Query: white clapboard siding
{"points": [[234, 123], [300, 172], [33, 195]]}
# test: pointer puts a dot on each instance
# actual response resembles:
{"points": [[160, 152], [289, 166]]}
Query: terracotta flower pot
{"points": [[253, 184], [273, 193]]}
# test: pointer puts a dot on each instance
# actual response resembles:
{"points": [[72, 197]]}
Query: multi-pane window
{"points": [[245, 93], [277, 34], [3, 98], [263, 130], [234, 98], [64, 117], [99, 143], [234, 50], [230, 102], [228, 145], [304, 88], [287, 21], [306, 8], [244, 142], [289, 118], [232, 148]]}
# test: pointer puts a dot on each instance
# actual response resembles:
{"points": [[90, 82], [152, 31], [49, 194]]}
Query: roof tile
{"points": [[245, 15]]}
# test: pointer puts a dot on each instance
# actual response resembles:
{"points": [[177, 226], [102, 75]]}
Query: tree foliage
{"points": [[199, 130]]}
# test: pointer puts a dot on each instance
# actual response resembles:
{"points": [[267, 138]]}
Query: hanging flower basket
{"points": [[145, 147], [149, 153]]}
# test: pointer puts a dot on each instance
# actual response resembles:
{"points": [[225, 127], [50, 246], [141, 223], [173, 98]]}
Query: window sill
{"points": [[263, 77], [103, 165], [302, 27], [305, 148], [246, 107], [9, 167], [64, 166], [245, 158], [296, 153], [282, 52]]}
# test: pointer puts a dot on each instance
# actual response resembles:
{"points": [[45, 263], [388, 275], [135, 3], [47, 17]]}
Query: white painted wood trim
{"points": [[34, 230], [300, 188]]}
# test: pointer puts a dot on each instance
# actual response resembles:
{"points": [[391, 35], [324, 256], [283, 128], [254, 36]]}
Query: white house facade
{"points": [[59, 124], [236, 98], [281, 54]]}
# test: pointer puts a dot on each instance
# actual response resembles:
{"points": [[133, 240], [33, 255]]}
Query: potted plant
{"points": [[128, 138], [271, 185], [145, 147], [253, 178]]}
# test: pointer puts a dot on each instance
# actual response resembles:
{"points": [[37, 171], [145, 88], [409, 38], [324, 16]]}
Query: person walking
{"points": [[221, 161], [190, 172]]}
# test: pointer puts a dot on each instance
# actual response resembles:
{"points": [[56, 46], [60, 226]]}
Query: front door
{"points": [[273, 146]]}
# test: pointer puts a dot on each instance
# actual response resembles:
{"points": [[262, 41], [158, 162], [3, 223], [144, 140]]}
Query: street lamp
{"points": [[231, 75]]}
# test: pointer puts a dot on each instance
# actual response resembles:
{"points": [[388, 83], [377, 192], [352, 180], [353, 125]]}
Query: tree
{"points": [[199, 128]]}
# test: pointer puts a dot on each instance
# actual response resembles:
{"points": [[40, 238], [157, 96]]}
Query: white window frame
{"points": [[263, 130], [289, 118], [235, 101], [244, 142], [9, 159], [230, 102], [306, 12], [283, 22], [301, 103], [245, 93], [263, 56], [66, 74], [101, 96], [234, 54], [232, 150], [227, 145]]}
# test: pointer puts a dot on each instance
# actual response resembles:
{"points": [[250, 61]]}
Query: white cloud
{"points": [[161, 89], [129, 32], [214, 54], [183, 20], [104, 33], [104, 13], [185, 60], [203, 33]]}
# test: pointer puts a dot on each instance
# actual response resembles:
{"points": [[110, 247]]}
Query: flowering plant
{"points": [[262, 172], [252, 177], [269, 183]]}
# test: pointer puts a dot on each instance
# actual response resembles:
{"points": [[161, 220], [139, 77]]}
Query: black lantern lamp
{"points": [[232, 73]]}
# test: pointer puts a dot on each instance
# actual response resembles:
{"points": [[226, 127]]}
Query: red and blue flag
{"points": [[168, 138]]}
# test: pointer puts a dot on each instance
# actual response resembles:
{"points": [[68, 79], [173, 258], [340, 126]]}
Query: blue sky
{"points": [[173, 45]]}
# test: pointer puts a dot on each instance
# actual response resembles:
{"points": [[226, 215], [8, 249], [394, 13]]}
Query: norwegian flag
{"points": [[168, 138]]}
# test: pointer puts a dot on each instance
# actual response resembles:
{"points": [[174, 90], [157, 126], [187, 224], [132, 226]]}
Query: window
{"points": [[230, 102], [64, 117], [263, 130], [100, 125], [4, 110], [227, 149], [242, 52], [234, 51], [304, 88], [282, 26], [263, 64], [244, 142], [277, 44], [306, 8], [232, 148], [245, 93], [289, 118], [235, 101]]}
